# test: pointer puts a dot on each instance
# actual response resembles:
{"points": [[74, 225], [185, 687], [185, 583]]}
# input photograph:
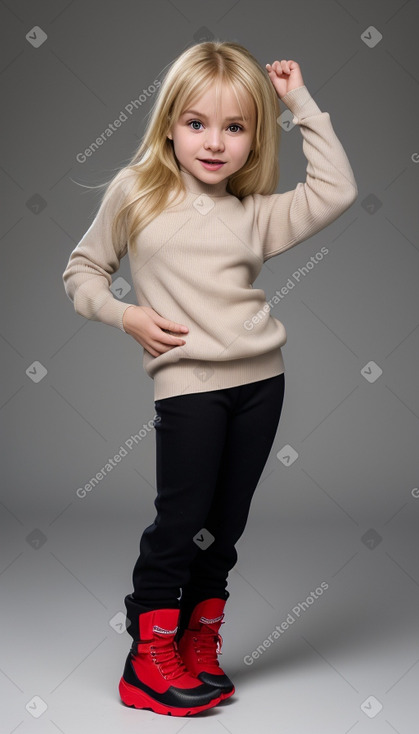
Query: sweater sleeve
{"points": [[97, 256], [284, 220]]}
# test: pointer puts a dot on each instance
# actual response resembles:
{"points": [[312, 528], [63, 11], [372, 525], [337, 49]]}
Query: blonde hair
{"points": [[153, 172]]}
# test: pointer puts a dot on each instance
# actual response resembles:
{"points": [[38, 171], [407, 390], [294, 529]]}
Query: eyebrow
{"points": [[200, 114]]}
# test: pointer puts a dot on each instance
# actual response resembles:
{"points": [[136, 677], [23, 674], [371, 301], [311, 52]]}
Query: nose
{"points": [[213, 139]]}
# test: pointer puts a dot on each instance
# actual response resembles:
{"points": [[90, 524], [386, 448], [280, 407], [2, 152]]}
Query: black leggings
{"points": [[211, 448]]}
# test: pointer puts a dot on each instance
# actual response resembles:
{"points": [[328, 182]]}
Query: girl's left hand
{"points": [[285, 76]]}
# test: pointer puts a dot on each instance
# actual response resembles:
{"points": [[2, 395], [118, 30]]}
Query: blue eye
{"points": [[233, 124]]}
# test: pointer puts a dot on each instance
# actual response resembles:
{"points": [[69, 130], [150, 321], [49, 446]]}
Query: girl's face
{"points": [[202, 133]]}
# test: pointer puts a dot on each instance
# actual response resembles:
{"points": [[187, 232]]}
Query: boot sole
{"points": [[135, 698], [227, 694]]}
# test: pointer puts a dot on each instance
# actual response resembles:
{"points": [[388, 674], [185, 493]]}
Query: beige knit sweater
{"points": [[196, 262]]}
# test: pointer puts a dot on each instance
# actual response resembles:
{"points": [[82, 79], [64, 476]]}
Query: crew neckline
{"points": [[196, 186]]}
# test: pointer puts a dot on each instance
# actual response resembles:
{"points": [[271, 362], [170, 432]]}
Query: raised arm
{"points": [[284, 220], [87, 276]]}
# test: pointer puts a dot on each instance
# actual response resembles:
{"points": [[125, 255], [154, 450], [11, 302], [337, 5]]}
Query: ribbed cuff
{"points": [[301, 103], [112, 311], [122, 317]]}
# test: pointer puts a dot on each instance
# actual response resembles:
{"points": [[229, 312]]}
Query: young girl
{"points": [[197, 213]]}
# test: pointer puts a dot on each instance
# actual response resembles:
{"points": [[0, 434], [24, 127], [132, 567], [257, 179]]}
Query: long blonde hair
{"points": [[153, 172]]}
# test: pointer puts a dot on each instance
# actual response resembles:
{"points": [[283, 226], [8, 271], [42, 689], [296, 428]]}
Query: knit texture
{"points": [[196, 262]]}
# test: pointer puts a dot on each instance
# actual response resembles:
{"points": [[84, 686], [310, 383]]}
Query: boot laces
{"points": [[205, 639], [166, 656]]}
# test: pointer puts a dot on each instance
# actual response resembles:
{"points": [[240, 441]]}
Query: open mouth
{"points": [[211, 163]]}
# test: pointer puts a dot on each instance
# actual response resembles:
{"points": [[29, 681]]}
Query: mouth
{"points": [[211, 164]]}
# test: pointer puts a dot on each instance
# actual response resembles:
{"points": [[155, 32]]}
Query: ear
{"points": [[170, 136]]}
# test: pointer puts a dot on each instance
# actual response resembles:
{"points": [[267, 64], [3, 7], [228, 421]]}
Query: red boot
{"points": [[155, 677], [201, 642]]}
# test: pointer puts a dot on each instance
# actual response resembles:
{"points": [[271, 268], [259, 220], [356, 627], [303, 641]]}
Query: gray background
{"points": [[344, 513]]}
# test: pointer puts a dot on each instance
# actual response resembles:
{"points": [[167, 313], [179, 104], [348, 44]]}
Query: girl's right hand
{"points": [[148, 328]]}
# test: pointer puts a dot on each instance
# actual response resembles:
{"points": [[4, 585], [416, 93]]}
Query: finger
{"points": [[170, 325], [163, 347], [159, 346], [152, 351], [164, 337]]}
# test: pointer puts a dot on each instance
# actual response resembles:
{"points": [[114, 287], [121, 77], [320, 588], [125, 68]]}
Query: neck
{"points": [[196, 186]]}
